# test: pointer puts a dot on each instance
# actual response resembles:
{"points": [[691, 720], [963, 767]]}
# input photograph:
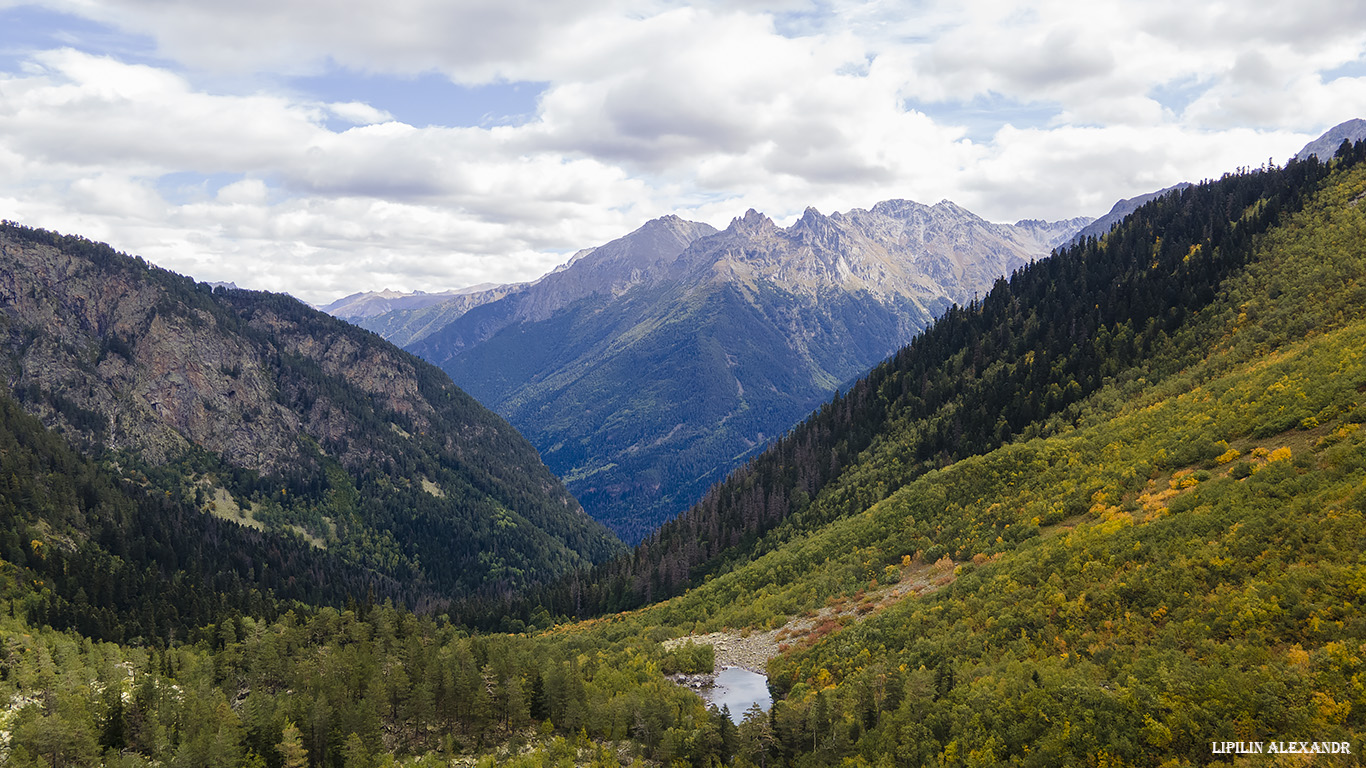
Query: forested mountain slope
{"points": [[1121, 209], [998, 369], [649, 367], [256, 407], [117, 558]]}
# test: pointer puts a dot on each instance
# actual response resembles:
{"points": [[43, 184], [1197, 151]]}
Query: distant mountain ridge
{"points": [[646, 368], [370, 303], [1121, 210], [1325, 146], [1055, 234], [638, 258], [897, 248]]}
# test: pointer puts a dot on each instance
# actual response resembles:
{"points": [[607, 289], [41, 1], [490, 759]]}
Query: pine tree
{"points": [[291, 747]]}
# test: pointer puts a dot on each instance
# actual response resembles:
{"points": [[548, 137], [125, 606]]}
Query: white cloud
{"points": [[471, 37], [244, 192], [1086, 169], [358, 113], [703, 109], [92, 111]]}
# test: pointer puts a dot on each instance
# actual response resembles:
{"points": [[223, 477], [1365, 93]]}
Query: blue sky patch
{"points": [[427, 100], [983, 116], [26, 29], [1178, 94], [1350, 69], [183, 187]]}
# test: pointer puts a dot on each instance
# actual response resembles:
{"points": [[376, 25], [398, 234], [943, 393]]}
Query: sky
{"points": [[324, 147]]}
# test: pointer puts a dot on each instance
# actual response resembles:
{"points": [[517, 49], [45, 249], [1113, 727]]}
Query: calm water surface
{"points": [[739, 689]]}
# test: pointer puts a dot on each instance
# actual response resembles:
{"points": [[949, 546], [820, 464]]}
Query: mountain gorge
{"points": [[276, 416], [1109, 512], [647, 368]]}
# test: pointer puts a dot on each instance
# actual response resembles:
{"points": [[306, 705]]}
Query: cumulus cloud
{"points": [[471, 38], [646, 108], [86, 139]]}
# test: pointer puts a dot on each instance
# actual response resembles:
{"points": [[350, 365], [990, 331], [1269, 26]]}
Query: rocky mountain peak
{"points": [[667, 223], [897, 208], [815, 227], [751, 223], [1326, 146], [1053, 233]]}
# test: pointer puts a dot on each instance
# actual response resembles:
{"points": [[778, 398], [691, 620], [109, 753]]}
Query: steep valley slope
{"points": [[275, 414]]}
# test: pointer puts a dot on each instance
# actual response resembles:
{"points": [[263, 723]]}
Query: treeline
{"points": [[980, 376], [351, 689]]}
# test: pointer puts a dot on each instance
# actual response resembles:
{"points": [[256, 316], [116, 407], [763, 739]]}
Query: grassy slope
{"points": [[1200, 597]]}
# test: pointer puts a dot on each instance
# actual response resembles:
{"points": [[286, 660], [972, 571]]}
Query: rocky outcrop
{"points": [[164, 372], [899, 249], [99, 350]]}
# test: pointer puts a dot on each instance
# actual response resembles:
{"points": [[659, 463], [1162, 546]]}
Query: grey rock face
{"points": [[1326, 146], [359, 306]]}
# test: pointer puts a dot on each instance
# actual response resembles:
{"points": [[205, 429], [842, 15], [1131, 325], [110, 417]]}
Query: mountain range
{"points": [[1110, 512], [370, 303], [647, 368]]}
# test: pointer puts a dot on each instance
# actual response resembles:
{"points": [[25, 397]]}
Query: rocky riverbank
{"points": [[698, 682], [751, 649]]}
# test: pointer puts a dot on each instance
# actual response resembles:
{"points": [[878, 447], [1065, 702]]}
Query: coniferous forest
{"points": [[1108, 514]]}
